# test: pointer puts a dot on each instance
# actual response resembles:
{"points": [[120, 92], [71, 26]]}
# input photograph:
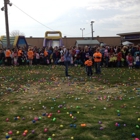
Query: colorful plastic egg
{"points": [[10, 132]]}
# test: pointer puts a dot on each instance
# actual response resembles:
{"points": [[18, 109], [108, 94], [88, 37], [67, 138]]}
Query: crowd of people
{"points": [[111, 56]]}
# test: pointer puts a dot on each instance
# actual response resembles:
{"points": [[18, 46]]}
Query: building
{"points": [[91, 43], [71, 41], [133, 37]]}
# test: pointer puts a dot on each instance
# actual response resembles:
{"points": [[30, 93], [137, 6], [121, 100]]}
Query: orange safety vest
{"points": [[97, 57], [45, 53], [7, 53], [30, 54], [20, 53], [88, 63]]}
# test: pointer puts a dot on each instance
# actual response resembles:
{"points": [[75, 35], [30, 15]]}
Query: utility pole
{"points": [[5, 9], [6, 22], [92, 28], [82, 30]]}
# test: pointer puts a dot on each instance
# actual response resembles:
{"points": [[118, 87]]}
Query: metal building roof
{"points": [[130, 33], [87, 42]]}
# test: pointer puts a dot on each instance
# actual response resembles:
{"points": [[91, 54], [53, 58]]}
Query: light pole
{"points": [[82, 29], [5, 9], [92, 28]]}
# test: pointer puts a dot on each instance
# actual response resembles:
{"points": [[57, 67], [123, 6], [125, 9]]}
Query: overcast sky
{"points": [[35, 17]]}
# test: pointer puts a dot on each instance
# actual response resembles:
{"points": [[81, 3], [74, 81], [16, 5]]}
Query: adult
{"points": [[19, 56], [56, 55], [8, 57], [30, 55], [97, 56], [67, 60], [46, 61], [102, 50], [2, 56]]}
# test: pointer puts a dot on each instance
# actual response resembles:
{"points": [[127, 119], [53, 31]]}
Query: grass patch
{"points": [[41, 97]]}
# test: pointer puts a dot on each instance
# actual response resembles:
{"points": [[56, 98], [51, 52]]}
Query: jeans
{"points": [[55, 60], [19, 60], [89, 70], [66, 63], [106, 61], [97, 67], [119, 63]]}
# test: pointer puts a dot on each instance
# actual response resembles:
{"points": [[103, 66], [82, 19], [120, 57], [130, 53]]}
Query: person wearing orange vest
{"points": [[8, 57], [97, 56], [89, 63], [30, 55], [45, 53], [45, 57]]}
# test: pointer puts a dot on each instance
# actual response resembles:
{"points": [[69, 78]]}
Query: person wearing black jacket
{"points": [[2, 56]]}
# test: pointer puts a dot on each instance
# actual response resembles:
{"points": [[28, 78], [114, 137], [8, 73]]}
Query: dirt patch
{"points": [[111, 90]]}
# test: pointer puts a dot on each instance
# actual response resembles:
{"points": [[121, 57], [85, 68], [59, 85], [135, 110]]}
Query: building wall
{"points": [[38, 42], [111, 41], [70, 41], [136, 42]]}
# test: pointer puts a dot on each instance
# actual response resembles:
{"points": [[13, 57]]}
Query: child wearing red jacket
{"points": [[130, 61], [89, 63]]}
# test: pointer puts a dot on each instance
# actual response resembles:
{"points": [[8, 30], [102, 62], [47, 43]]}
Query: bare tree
{"points": [[16, 33]]}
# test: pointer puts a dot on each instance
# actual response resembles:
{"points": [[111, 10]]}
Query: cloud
{"points": [[33, 17], [126, 20], [121, 23], [109, 4], [121, 18]]}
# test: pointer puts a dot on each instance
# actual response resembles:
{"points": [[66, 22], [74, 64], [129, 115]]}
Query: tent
{"points": [[127, 43]]}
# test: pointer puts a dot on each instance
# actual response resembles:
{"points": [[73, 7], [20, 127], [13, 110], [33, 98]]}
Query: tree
{"points": [[16, 33]]}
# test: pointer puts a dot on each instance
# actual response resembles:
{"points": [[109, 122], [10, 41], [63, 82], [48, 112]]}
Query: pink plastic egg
{"points": [[10, 132], [24, 134], [45, 130]]}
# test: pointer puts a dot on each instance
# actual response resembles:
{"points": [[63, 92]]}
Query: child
{"points": [[61, 60], [122, 61], [111, 60], [37, 57], [130, 61], [137, 61], [127, 59], [23, 59], [15, 57], [88, 63]]}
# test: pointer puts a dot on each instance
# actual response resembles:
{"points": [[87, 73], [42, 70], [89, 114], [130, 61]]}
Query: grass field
{"points": [[40, 103]]}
